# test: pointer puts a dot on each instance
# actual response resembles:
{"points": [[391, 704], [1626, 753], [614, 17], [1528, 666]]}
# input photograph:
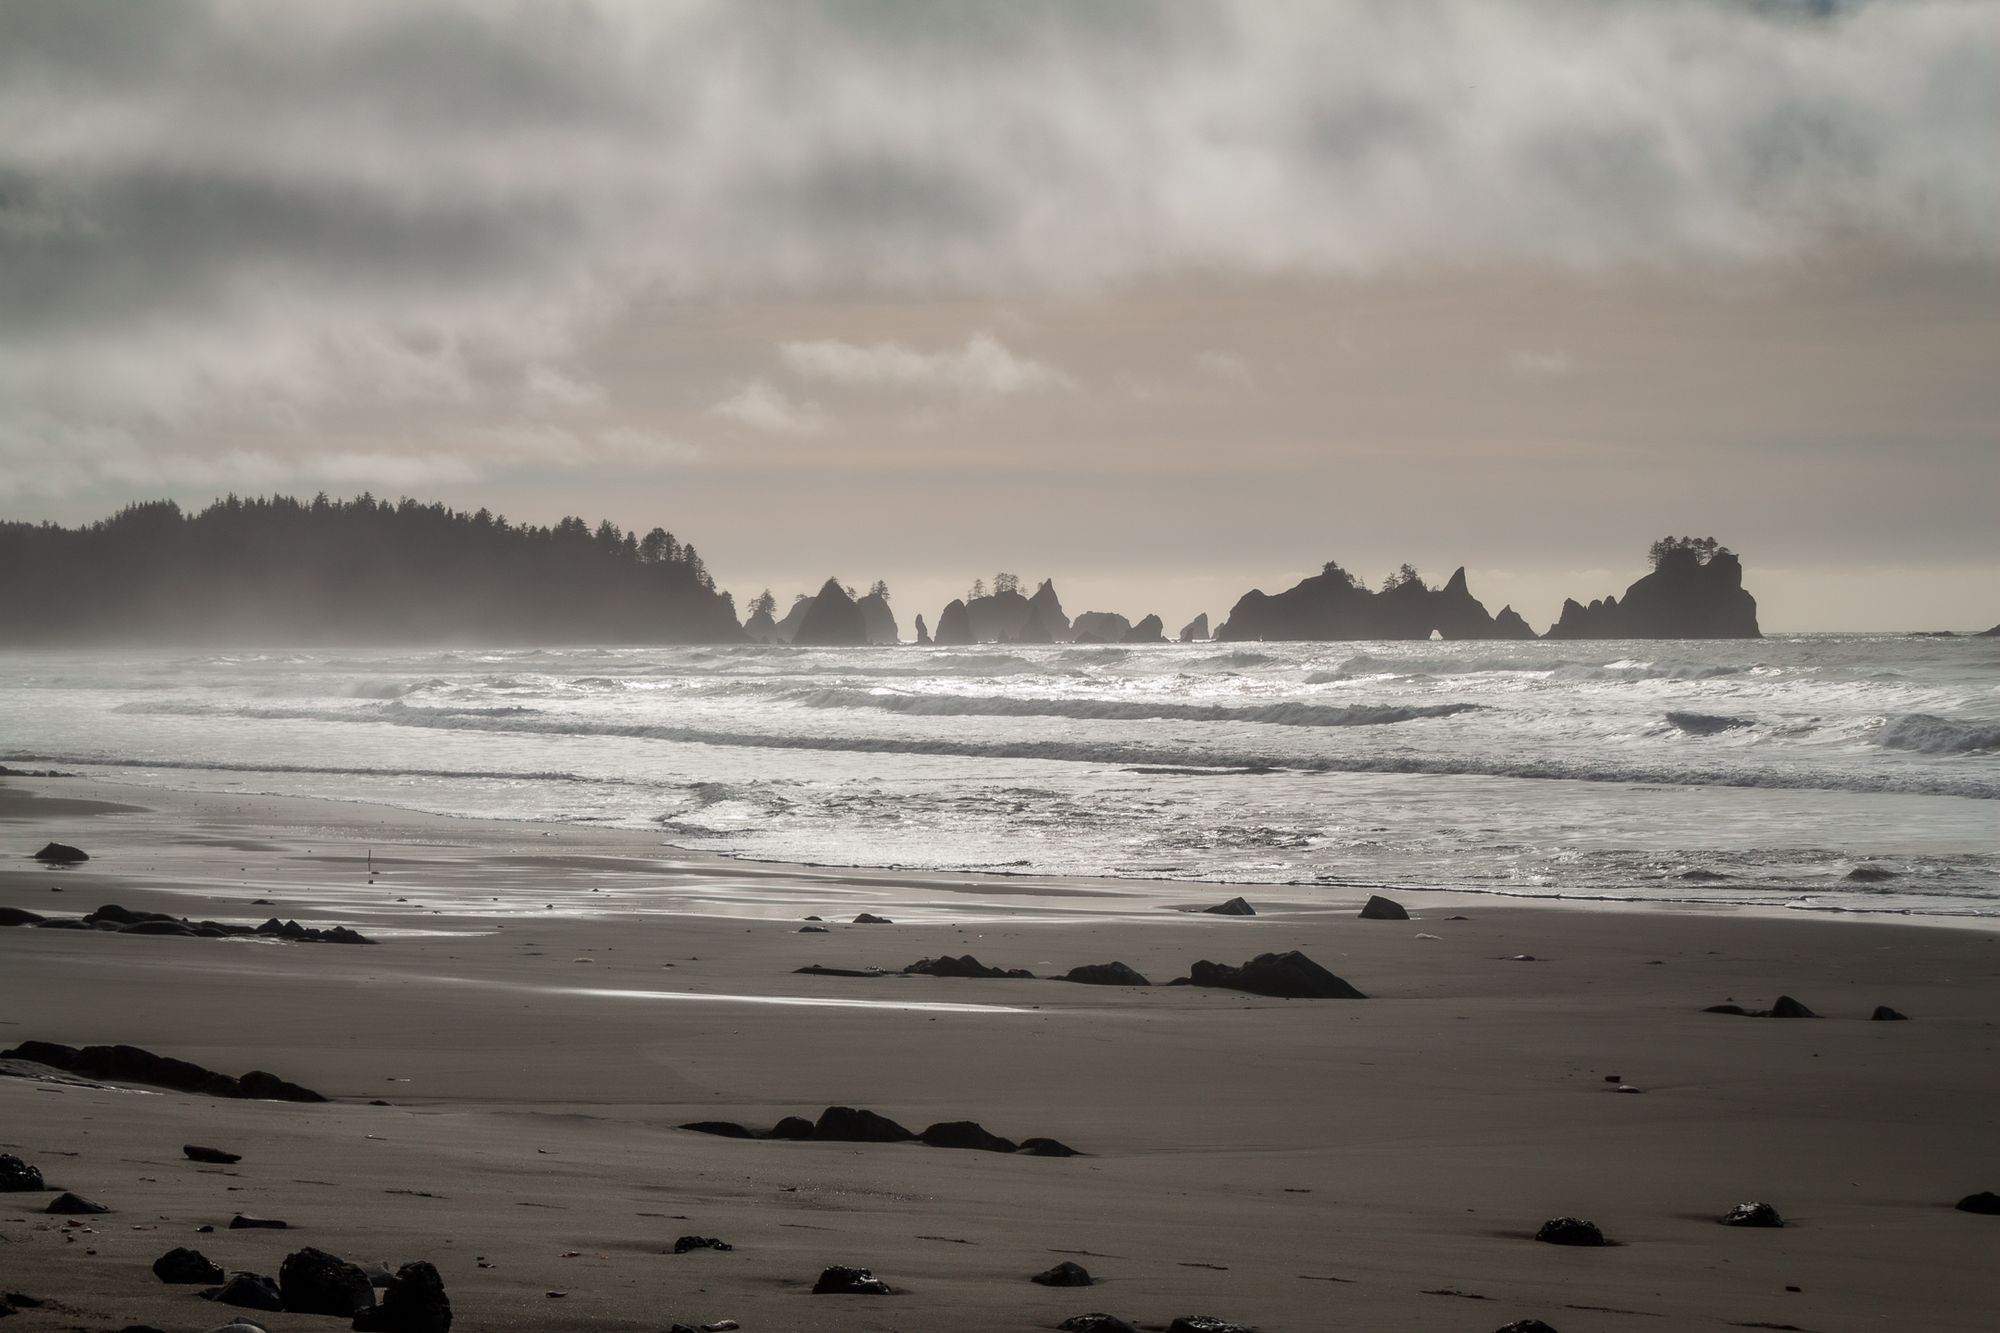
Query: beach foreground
{"points": [[510, 1062]]}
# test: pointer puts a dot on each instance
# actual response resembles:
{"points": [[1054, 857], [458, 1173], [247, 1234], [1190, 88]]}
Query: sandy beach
{"points": [[509, 1064]]}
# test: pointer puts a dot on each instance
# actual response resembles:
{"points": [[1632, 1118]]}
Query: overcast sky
{"points": [[1164, 300]]}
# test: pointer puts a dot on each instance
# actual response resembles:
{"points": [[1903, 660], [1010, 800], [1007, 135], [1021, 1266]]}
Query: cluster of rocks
{"points": [[125, 921], [1191, 1323], [1787, 1007], [311, 1281], [130, 1064], [1289, 976], [847, 1124]]}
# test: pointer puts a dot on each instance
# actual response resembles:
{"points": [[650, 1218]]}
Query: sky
{"points": [[1164, 301]]}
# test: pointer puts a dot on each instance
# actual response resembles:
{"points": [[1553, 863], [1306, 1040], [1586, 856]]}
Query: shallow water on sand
{"points": [[1849, 773]]}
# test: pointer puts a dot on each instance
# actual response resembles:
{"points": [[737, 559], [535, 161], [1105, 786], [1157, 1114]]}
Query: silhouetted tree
{"points": [[1332, 569], [1705, 549], [879, 588], [1005, 583], [978, 590], [764, 602], [1405, 573]]}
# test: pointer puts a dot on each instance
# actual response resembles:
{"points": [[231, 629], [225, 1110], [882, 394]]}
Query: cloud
{"points": [[1225, 365], [220, 218], [983, 368], [761, 405]]}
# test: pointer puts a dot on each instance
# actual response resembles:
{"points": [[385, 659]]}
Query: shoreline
{"points": [[628, 838], [510, 1063]]}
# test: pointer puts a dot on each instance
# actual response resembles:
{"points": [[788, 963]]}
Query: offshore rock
{"points": [[1687, 596], [954, 628], [1195, 630], [1148, 630], [832, 621]]}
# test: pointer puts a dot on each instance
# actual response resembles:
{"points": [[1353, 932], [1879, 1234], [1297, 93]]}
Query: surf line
{"points": [[718, 997]]}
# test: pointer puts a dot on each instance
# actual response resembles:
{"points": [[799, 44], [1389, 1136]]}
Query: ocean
{"points": [[1835, 773]]}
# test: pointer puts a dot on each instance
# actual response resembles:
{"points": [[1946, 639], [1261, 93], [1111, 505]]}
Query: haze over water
{"points": [[1762, 772]]}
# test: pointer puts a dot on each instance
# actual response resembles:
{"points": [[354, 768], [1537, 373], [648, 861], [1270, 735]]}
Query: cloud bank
{"points": [[219, 218]]}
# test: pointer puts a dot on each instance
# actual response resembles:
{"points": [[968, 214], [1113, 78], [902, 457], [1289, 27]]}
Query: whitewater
{"points": [[1847, 773]]}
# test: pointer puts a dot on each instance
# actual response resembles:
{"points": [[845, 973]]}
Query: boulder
{"points": [[312, 1281], [965, 1134], [250, 1222], [1040, 1147], [74, 1203], [1234, 907], [20, 916], [1105, 974], [845, 1124], [1095, 1323], [196, 1153], [1287, 976], [61, 854], [1870, 873], [252, 1291], [688, 1244], [842, 1280], [794, 1127], [833, 620], [966, 966], [1064, 1274], [1570, 1231], [17, 1177], [131, 1064], [870, 919], [182, 1265], [1986, 1203], [1752, 1215], [413, 1302], [1884, 1014], [262, 1087], [1378, 908], [1786, 1007], [812, 930]]}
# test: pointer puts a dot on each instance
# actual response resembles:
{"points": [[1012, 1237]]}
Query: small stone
{"points": [[688, 1243], [1570, 1231], [196, 1153], [1064, 1274], [245, 1222], [1985, 1202], [74, 1203], [1627, 1087], [184, 1265], [1752, 1215], [841, 1280]]}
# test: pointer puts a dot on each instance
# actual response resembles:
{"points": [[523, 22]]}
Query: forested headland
{"points": [[285, 570]]}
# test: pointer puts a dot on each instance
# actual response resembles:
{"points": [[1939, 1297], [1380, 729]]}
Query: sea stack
{"points": [[1694, 592], [832, 620]]}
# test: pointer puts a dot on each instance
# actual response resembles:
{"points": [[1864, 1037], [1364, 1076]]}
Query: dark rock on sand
{"points": [[821, 970], [1752, 1215], [252, 1291], [17, 1177], [1378, 908], [413, 1302], [74, 1203], [845, 1124], [1105, 974], [1784, 1007], [795, 1127], [965, 1134], [314, 1282], [247, 1222], [1040, 1147], [1525, 1326], [1204, 1323], [689, 1243], [61, 854], [196, 1153], [1570, 1231], [870, 919], [1289, 976], [20, 916], [184, 1265], [1064, 1274], [1986, 1202], [1884, 1014], [812, 930], [966, 966], [841, 1280], [727, 1129], [130, 1064], [1234, 907], [1095, 1323]]}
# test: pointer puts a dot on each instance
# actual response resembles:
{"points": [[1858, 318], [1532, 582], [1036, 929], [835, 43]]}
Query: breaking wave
{"points": [[1926, 734], [1277, 714]]}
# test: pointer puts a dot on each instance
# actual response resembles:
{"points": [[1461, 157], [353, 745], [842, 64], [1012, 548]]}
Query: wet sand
{"points": [[545, 1006]]}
